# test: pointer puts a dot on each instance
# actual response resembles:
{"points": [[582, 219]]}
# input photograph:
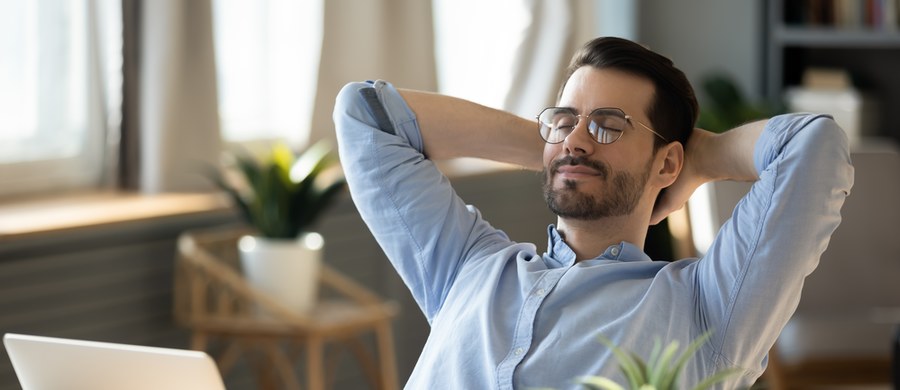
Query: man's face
{"points": [[584, 179]]}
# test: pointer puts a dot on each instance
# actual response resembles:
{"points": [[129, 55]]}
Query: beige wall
{"points": [[707, 35]]}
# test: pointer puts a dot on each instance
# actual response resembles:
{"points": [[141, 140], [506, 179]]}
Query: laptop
{"points": [[45, 363]]}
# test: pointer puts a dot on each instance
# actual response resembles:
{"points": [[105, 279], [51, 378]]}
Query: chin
{"points": [[580, 185]]}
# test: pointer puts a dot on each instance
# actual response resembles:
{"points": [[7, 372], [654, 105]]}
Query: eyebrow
{"points": [[575, 110], [572, 109]]}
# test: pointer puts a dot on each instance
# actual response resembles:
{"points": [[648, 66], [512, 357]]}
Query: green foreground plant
{"points": [[660, 372], [282, 195]]}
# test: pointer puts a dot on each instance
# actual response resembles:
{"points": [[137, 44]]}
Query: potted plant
{"points": [[660, 372], [281, 196]]}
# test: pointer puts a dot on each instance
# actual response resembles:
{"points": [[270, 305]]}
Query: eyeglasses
{"points": [[606, 124]]}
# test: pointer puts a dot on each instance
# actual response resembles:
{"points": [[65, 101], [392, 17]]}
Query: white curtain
{"points": [[556, 30], [267, 60], [387, 39], [179, 118], [542, 56], [179, 122]]}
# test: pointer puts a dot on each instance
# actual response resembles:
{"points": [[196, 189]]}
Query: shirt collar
{"points": [[559, 254]]}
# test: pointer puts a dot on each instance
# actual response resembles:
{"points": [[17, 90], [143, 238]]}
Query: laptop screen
{"points": [[44, 363]]}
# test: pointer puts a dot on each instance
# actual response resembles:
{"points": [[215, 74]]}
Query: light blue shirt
{"points": [[505, 316]]}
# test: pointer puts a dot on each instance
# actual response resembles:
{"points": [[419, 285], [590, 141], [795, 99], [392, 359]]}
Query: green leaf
{"points": [[284, 198], [283, 158], [654, 354], [626, 363], [321, 202], [642, 372], [662, 366], [692, 348], [311, 162], [599, 382], [716, 378], [250, 169]]}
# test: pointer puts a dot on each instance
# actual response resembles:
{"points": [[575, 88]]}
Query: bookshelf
{"points": [[859, 36]]}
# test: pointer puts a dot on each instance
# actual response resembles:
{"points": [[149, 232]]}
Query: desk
{"points": [[216, 303]]}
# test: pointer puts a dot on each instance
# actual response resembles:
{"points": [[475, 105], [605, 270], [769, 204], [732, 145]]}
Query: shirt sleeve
{"points": [[751, 277], [424, 228]]}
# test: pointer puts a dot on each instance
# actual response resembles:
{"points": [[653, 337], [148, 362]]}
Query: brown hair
{"points": [[673, 110]]}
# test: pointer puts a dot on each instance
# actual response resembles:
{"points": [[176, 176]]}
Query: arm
{"points": [[454, 127], [749, 283], [424, 228]]}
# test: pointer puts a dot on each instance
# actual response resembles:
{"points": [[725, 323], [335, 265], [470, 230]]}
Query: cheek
{"points": [[550, 152]]}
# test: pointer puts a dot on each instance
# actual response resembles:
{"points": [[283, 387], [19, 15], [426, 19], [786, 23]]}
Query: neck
{"points": [[588, 239]]}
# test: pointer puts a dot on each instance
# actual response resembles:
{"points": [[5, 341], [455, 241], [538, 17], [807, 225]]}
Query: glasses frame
{"points": [[628, 118]]}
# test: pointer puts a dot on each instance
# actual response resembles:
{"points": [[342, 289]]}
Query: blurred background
{"points": [[112, 110]]}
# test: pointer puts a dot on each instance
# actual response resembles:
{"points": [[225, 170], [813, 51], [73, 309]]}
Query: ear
{"points": [[668, 162]]}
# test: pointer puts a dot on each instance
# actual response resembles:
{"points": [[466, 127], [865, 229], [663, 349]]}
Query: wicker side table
{"points": [[214, 301]]}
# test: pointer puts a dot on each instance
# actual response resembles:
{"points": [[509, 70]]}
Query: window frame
{"points": [[85, 170]]}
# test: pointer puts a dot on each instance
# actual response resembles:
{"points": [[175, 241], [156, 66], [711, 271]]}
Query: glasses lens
{"points": [[556, 124], [607, 125]]}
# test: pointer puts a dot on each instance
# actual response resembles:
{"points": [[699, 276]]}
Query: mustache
{"points": [[599, 166]]}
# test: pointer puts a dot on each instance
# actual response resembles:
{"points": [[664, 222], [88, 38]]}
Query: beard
{"points": [[624, 191]]}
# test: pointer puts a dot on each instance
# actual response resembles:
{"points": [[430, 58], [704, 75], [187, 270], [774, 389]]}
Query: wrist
{"points": [[702, 158], [729, 155]]}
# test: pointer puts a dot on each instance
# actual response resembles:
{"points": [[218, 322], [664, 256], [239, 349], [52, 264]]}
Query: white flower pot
{"points": [[286, 270]]}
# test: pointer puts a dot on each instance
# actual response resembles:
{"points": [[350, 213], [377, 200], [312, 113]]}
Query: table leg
{"points": [[314, 366], [385, 340]]}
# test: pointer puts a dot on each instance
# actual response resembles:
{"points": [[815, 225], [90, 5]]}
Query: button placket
{"points": [[523, 337]]}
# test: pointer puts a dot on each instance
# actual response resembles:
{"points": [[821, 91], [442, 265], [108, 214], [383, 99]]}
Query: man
{"points": [[504, 315]]}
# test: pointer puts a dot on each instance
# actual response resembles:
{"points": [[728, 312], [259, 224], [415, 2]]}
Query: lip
{"points": [[576, 171]]}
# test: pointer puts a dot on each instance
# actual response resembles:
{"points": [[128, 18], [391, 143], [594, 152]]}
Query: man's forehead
{"points": [[589, 88]]}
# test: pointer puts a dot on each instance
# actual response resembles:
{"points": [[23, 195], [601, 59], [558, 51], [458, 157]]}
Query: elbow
{"points": [[828, 130], [830, 146], [348, 102], [349, 111]]}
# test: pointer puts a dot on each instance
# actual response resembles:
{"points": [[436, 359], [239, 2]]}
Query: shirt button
{"points": [[540, 292], [614, 251], [519, 351]]}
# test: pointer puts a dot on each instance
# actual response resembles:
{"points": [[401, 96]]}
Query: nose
{"points": [[579, 141]]}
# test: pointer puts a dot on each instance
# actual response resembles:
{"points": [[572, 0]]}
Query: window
{"points": [[60, 68], [475, 45], [267, 60]]}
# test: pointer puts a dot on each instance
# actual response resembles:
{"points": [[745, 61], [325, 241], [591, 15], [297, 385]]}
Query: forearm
{"points": [[727, 156], [454, 127], [420, 223]]}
